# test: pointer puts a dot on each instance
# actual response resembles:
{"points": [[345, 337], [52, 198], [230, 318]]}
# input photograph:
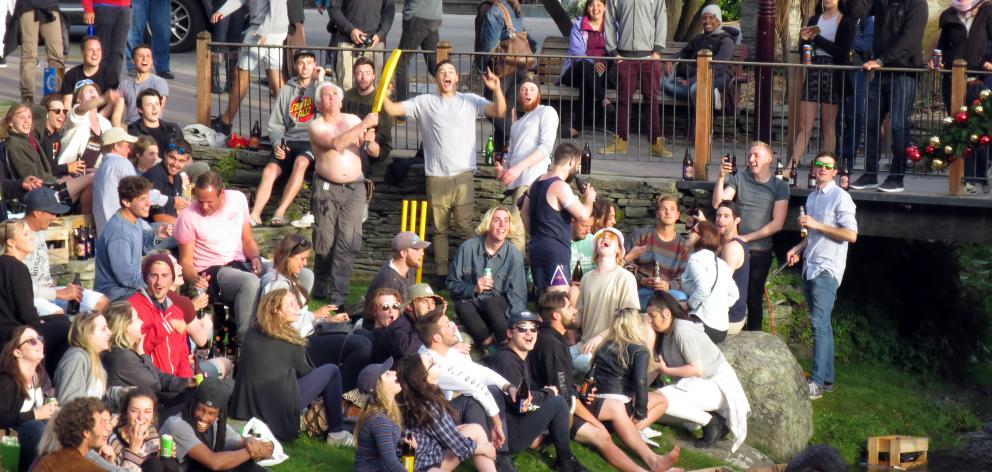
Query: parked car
{"points": [[189, 18]]}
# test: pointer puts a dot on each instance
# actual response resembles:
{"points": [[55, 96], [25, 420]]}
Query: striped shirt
{"points": [[671, 256]]}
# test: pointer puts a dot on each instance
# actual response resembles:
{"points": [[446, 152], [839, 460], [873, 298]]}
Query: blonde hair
{"points": [[269, 318], [6, 127], [379, 402], [487, 220], [82, 328], [119, 320], [8, 231], [627, 330]]}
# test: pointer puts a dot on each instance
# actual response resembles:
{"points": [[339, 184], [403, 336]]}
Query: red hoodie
{"points": [[88, 4], [168, 348]]}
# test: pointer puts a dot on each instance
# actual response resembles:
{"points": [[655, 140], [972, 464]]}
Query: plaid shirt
{"points": [[437, 437]]}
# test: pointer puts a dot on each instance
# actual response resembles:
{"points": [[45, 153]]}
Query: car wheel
{"points": [[188, 20]]}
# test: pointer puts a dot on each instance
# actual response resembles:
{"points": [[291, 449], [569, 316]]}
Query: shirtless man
{"points": [[338, 192]]}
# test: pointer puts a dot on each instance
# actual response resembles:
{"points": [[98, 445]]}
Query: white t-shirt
{"points": [[828, 29], [535, 130], [447, 127]]}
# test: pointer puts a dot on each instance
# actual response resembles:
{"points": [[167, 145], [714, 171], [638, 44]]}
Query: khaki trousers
{"points": [[52, 32], [452, 202], [346, 61]]}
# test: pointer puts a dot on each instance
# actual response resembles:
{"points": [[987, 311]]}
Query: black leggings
{"points": [[582, 74], [351, 353], [761, 262], [484, 317]]}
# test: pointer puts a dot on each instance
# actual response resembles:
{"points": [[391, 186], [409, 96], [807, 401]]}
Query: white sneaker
{"points": [[650, 433], [304, 222], [648, 440], [717, 103]]}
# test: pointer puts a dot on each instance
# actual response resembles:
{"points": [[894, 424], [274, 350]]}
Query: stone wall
{"points": [[634, 196]]}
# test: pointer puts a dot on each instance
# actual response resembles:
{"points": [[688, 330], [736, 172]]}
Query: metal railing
{"points": [[705, 124]]}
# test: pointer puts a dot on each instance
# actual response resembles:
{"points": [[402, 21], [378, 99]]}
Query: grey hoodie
{"points": [[293, 111], [270, 17], [635, 28]]}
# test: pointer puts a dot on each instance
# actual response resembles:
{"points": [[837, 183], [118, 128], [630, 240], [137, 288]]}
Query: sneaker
{"points": [[647, 440], [218, 125], [717, 102], [568, 464], [658, 148], [504, 463], [304, 222], [866, 181], [971, 189], [828, 388], [340, 439], [167, 74], [892, 184], [650, 433], [815, 390], [618, 146]]}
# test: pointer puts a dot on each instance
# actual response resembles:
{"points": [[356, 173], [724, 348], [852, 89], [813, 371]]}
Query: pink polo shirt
{"points": [[216, 238]]}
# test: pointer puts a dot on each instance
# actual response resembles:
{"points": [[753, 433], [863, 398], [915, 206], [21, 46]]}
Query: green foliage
{"points": [[960, 139], [226, 166], [731, 10]]}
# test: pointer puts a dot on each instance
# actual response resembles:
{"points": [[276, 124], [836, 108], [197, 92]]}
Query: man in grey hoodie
{"points": [[269, 26], [289, 122], [637, 29]]}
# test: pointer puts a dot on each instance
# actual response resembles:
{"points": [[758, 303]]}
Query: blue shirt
{"points": [[832, 206], [118, 257], [507, 265]]}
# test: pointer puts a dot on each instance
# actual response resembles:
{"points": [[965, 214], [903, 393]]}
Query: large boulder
{"points": [[781, 422]]}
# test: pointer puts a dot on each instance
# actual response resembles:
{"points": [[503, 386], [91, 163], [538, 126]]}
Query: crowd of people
{"points": [[573, 329]]}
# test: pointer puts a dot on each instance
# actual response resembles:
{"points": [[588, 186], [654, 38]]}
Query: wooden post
{"points": [[444, 48], [203, 78], [955, 174], [704, 112]]}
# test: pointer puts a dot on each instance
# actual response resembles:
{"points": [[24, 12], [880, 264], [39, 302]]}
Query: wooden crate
{"points": [[72, 222], [895, 446], [59, 241]]}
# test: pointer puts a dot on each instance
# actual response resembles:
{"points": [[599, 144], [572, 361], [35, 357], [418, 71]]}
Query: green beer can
{"points": [[168, 446]]}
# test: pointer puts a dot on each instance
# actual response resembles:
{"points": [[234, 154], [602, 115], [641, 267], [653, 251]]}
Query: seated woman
{"points": [[349, 349], [590, 75], [144, 154], [135, 438], [26, 157], [604, 213], [706, 390], [440, 443], [16, 292], [621, 369], [80, 372], [127, 365], [23, 386], [276, 379], [709, 282], [380, 425]]}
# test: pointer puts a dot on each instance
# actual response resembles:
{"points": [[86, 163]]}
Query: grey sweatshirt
{"points": [[635, 28], [270, 17], [427, 9], [297, 108]]}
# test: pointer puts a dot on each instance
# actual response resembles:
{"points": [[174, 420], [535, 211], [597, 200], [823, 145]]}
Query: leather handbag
{"points": [[517, 48]]}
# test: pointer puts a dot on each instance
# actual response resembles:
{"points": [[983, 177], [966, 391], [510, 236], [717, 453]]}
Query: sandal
{"points": [[253, 222], [277, 221]]}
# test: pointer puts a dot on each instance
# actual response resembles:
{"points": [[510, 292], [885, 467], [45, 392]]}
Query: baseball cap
{"points": [[213, 393], [303, 52], [407, 240], [422, 291], [368, 378], [45, 199], [116, 135], [524, 317]]}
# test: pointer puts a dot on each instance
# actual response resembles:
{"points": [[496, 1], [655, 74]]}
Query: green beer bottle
{"points": [[490, 150]]}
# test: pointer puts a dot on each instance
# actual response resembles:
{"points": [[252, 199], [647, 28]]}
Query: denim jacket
{"points": [[508, 273]]}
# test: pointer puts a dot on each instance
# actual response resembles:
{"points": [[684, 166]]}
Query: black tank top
{"points": [[550, 229]]}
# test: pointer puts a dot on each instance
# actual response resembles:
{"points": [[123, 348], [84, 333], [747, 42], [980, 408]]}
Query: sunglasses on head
{"points": [[824, 165], [33, 341], [82, 83], [526, 329], [302, 245], [177, 149], [390, 306]]}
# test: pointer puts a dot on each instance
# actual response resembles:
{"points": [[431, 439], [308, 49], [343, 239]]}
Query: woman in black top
{"points": [[621, 369], [23, 387], [16, 293], [27, 157], [276, 379]]}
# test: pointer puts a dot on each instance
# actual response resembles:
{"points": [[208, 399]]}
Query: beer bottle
{"points": [[586, 163], [580, 184], [803, 232], [811, 178], [523, 394], [733, 164], [256, 137], [577, 272], [72, 308], [90, 241], [845, 176], [793, 176], [408, 453], [489, 151], [778, 170], [80, 244], [688, 167], [657, 271], [587, 385]]}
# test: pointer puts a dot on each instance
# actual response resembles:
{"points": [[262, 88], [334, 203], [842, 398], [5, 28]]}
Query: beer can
{"points": [[51, 400], [168, 446], [53, 79], [487, 272], [807, 54], [90, 30]]}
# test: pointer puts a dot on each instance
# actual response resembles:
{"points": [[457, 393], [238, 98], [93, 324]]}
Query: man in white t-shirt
{"points": [[532, 140], [449, 117]]}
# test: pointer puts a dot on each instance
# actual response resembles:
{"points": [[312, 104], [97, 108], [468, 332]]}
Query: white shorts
{"points": [[50, 307], [271, 58]]}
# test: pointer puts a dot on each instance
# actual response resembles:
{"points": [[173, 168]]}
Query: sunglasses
{"points": [[390, 306], [824, 165], [33, 341], [82, 83], [525, 329], [177, 149], [302, 245], [58, 111]]}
